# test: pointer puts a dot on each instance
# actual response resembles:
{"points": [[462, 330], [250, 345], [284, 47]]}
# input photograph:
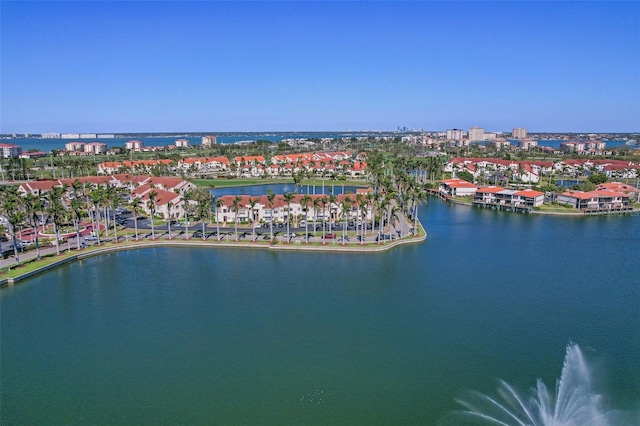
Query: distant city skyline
{"points": [[125, 67]]}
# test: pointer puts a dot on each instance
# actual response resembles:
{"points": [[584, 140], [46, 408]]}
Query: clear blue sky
{"points": [[268, 66]]}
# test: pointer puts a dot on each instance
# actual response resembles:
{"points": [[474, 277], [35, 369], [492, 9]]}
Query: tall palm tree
{"points": [[203, 208], [235, 205], [56, 212], [317, 202], [304, 202], [219, 205], [76, 205], [270, 200], [346, 213], [11, 207], [324, 200], [186, 197], [96, 196], [33, 204], [113, 201], [136, 206], [288, 197], [332, 202], [169, 218], [151, 205], [252, 207], [358, 202]]}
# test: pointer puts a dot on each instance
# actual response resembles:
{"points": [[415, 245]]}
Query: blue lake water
{"points": [[233, 336]]}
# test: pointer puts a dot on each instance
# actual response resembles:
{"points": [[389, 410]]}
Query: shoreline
{"points": [[137, 245], [634, 212]]}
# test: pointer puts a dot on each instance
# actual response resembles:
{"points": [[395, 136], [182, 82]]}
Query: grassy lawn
{"points": [[557, 208]]}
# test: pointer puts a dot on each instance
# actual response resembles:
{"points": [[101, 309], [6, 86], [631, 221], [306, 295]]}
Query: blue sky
{"points": [[269, 66]]}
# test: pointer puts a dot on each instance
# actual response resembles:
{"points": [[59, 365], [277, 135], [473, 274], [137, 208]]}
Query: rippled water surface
{"points": [[232, 336]]}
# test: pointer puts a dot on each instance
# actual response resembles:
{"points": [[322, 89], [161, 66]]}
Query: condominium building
{"points": [[74, 146], [208, 141], [455, 134], [519, 133], [133, 145], [526, 144], [95, 148], [476, 134], [10, 150]]}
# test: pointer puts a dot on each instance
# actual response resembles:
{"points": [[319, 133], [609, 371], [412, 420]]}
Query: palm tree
{"points": [[76, 207], [11, 207], [235, 205], [135, 205], [358, 203], [270, 199], [324, 200], [169, 218], [317, 202], [32, 205], [76, 204], [288, 197], [151, 205], [56, 212], [332, 202], [203, 208], [186, 197], [114, 201], [96, 196], [346, 213], [219, 205], [304, 202], [252, 206]]}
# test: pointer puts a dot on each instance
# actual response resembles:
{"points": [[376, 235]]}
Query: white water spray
{"points": [[575, 403]]}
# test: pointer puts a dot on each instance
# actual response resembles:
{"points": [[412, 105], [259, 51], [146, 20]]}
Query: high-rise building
{"points": [[519, 133], [476, 134], [208, 141], [9, 150], [526, 144], [454, 134]]}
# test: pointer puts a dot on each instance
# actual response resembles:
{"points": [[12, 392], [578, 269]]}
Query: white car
{"points": [[288, 236], [91, 238]]}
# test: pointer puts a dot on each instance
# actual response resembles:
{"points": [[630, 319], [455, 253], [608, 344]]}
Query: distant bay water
{"points": [[231, 336], [47, 145]]}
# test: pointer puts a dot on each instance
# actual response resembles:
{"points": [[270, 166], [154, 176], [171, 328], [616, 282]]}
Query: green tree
{"points": [[151, 205], [136, 207], [12, 209], [203, 207], [288, 197], [56, 211], [235, 205], [270, 200], [465, 175], [219, 205], [598, 178], [34, 204]]}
